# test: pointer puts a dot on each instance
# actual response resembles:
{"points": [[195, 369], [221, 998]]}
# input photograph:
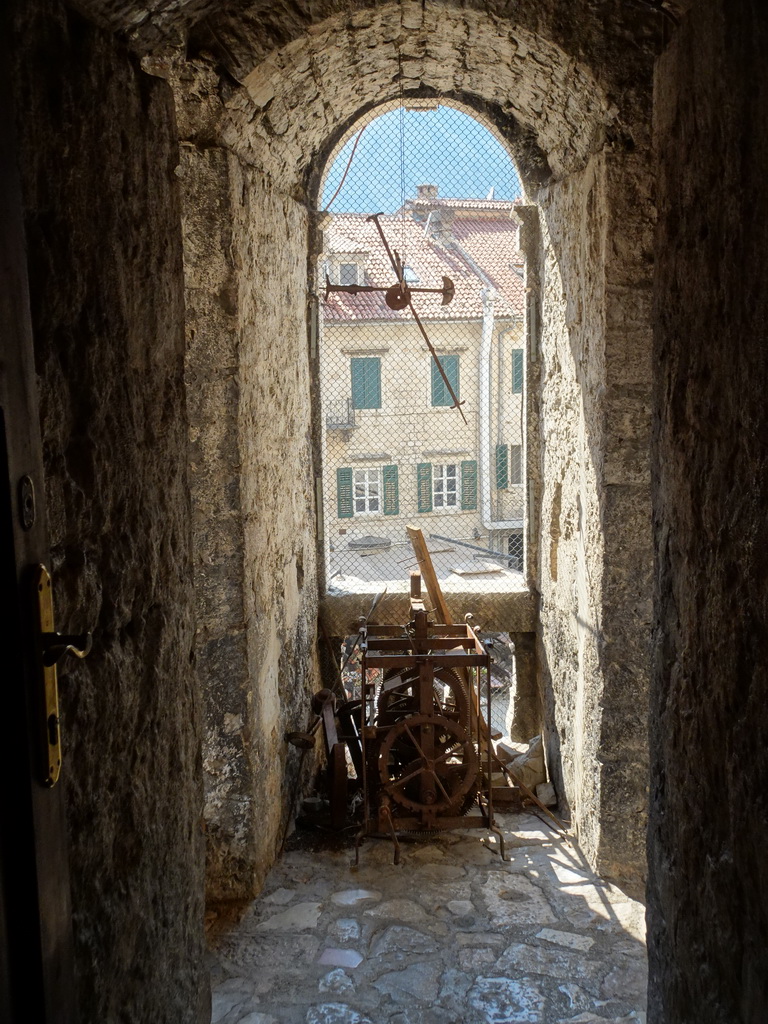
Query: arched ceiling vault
{"points": [[555, 76], [615, 35], [305, 93]]}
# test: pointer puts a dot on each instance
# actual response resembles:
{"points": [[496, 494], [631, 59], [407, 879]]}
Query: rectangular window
{"points": [[348, 273], [440, 393], [515, 550], [366, 383], [517, 371], [367, 490], [515, 464], [445, 490]]}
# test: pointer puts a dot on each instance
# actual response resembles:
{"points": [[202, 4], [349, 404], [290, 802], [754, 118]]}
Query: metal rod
{"points": [[396, 264], [456, 403], [353, 289], [472, 547]]}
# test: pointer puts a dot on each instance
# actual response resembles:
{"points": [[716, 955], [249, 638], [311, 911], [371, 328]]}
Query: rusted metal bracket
{"points": [[398, 296], [397, 266]]}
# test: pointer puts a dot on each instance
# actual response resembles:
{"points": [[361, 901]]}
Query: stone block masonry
{"points": [[279, 85], [594, 486], [250, 155], [708, 833], [98, 152], [253, 500], [136, 418], [451, 934]]}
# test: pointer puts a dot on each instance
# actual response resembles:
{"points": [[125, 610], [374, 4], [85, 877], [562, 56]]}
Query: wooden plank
{"points": [[438, 602], [428, 573], [476, 570]]}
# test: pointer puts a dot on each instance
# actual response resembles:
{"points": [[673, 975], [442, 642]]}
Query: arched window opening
{"points": [[422, 359]]}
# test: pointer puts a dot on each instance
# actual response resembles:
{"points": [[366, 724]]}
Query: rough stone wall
{"points": [[708, 890], [562, 109], [626, 614], [98, 152], [247, 375], [278, 489], [595, 553], [571, 538], [602, 34], [594, 519], [295, 100]]}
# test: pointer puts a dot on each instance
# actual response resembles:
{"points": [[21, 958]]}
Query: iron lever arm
{"points": [[447, 291], [350, 289], [456, 403], [393, 259], [398, 269]]}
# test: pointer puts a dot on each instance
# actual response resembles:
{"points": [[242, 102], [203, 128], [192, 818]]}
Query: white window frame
{"points": [[444, 474], [367, 490], [349, 263]]}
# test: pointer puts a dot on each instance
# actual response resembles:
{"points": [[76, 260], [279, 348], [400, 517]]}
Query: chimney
{"points": [[426, 191]]}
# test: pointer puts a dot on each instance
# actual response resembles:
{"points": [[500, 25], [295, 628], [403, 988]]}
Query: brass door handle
{"points": [[56, 645], [52, 647]]}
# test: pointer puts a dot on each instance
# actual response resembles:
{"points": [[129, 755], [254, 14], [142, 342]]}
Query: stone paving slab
{"points": [[451, 935]]}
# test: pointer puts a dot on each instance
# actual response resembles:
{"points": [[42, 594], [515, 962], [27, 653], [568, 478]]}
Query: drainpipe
{"points": [[486, 344]]}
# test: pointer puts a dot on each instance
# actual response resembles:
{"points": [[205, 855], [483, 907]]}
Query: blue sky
{"points": [[443, 147]]}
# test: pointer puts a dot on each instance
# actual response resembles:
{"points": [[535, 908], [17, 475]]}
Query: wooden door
{"points": [[36, 977]]}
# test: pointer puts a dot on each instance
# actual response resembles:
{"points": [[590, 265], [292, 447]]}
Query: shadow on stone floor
{"points": [[453, 935]]}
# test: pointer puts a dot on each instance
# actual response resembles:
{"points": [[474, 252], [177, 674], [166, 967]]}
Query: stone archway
{"points": [[250, 159], [99, 151]]}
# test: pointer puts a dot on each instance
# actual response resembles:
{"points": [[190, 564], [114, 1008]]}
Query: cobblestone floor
{"points": [[452, 935]]}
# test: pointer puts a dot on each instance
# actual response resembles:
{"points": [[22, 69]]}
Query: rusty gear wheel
{"points": [[450, 698], [428, 763]]}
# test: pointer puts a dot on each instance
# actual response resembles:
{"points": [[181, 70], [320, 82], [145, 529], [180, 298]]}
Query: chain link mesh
{"points": [[397, 449]]}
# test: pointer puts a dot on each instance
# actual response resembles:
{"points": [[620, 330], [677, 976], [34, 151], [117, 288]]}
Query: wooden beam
{"points": [[438, 602], [428, 574]]}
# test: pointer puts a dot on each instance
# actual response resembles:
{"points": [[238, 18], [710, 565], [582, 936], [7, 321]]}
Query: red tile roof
{"points": [[476, 251]]}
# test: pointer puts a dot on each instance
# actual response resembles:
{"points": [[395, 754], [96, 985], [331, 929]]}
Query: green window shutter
{"points": [[366, 382], [469, 485], [502, 467], [424, 486], [391, 491], [517, 371], [344, 507], [515, 464], [440, 393]]}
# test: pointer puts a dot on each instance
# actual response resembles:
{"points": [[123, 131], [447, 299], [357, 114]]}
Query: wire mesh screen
{"points": [[422, 355]]}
